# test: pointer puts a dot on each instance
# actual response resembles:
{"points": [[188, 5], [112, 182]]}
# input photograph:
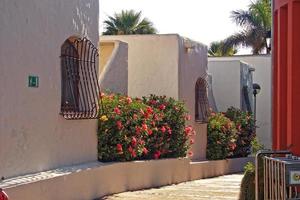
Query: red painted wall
{"points": [[286, 75]]}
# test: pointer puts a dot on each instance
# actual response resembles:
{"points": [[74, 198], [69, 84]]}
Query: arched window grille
{"points": [[201, 101], [80, 87]]}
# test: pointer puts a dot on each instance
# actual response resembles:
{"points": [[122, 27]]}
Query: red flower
{"points": [[133, 141], [238, 127], [119, 148], [232, 146], [133, 154], [149, 110], [117, 110], [162, 107], [130, 149], [149, 132], [142, 142], [119, 125], [145, 151], [156, 154], [163, 129], [144, 127], [146, 115], [153, 123], [137, 130], [190, 153], [188, 130], [153, 102]]}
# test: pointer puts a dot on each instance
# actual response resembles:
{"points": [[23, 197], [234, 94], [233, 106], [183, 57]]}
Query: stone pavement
{"points": [[218, 188]]}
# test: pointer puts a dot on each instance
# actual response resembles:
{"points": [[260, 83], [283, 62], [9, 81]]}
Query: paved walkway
{"points": [[219, 188]]}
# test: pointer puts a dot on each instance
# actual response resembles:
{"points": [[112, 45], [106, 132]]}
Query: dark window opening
{"points": [[201, 101], [80, 87]]}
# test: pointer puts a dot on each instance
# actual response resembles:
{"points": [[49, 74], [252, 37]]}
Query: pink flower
{"points": [[190, 153], [157, 154], [135, 117], [117, 110], [145, 151], [192, 141], [133, 141], [119, 148], [119, 125], [129, 100], [162, 107], [188, 117], [163, 129]]}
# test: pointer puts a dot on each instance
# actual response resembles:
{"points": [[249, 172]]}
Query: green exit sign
{"points": [[33, 81]]}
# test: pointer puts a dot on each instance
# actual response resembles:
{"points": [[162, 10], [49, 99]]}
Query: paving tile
{"points": [[218, 188]]}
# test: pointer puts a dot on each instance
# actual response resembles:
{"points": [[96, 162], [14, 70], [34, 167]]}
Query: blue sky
{"points": [[201, 20]]}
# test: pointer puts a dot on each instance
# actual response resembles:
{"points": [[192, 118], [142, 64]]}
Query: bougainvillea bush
{"points": [[148, 128], [245, 126], [221, 137]]}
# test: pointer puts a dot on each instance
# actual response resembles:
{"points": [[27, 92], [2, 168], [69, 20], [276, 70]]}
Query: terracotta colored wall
{"points": [[286, 72]]}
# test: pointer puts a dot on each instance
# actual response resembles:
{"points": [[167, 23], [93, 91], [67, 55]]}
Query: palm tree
{"points": [[128, 22], [218, 49], [256, 25]]}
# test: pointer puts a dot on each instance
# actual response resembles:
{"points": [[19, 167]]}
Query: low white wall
{"points": [[33, 136], [94, 180], [262, 76]]}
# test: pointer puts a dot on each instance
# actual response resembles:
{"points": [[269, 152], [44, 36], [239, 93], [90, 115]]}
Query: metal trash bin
{"points": [[281, 175]]}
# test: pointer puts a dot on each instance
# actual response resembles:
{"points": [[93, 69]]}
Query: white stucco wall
{"points": [[262, 76], [33, 136], [226, 83], [152, 64], [162, 65], [114, 71], [193, 65]]}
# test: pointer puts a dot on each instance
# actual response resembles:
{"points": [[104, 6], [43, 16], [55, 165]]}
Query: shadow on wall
{"points": [[81, 21]]}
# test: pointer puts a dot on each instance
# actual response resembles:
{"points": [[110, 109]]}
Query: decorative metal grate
{"points": [[80, 86], [201, 100]]}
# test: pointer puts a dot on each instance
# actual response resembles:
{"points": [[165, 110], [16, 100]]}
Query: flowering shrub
{"points": [[221, 137], [230, 134], [245, 127], [148, 128]]}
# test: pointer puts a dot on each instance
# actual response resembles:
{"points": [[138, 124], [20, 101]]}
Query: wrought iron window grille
{"points": [[80, 97], [201, 100]]}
